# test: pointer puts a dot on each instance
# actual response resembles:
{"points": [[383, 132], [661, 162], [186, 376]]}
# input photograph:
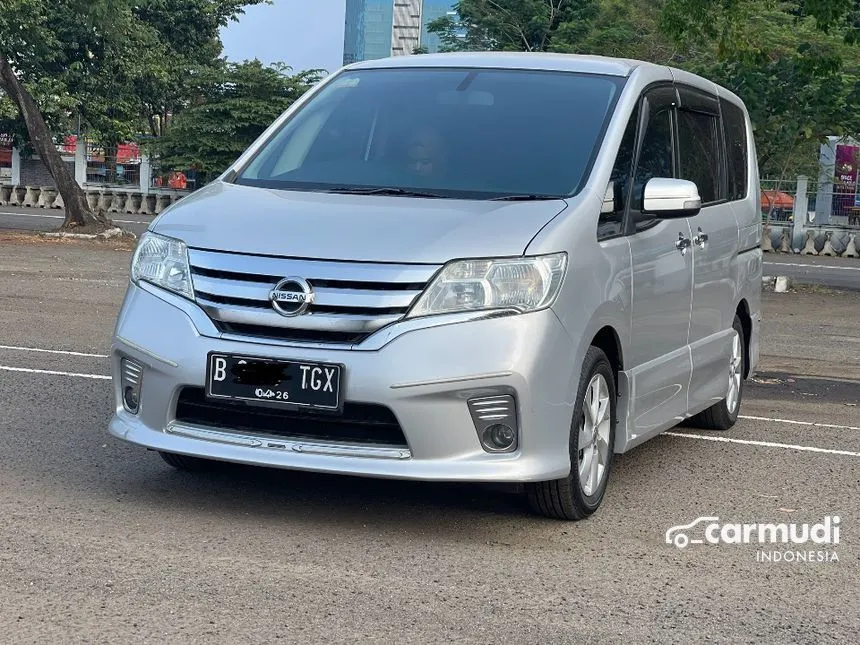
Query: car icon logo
{"points": [[678, 536]]}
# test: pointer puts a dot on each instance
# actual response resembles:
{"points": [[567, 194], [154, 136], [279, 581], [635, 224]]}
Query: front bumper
{"points": [[424, 376]]}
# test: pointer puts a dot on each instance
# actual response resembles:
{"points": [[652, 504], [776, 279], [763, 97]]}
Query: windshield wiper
{"points": [[523, 198], [399, 192]]}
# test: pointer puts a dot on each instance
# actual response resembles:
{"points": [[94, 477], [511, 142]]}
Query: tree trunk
{"points": [[78, 213]]}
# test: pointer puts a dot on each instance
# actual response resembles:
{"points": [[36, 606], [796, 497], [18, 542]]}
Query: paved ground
{"points": [[102, 542], [47, 219], [842, 273]]}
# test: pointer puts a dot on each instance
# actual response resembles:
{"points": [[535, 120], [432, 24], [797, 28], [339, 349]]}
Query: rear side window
{"points": [[736, 147], [699, 153]]}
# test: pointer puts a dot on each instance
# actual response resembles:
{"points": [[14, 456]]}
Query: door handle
{"points": [[701, 239], [683, 243]]}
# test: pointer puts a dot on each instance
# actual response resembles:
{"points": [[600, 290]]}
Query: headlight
{"points": [[162, 261], [521, 284]]}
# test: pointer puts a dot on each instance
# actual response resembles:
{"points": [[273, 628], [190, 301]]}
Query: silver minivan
{"points": [[491, 267]]}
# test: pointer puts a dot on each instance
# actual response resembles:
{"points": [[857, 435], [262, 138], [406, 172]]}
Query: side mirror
{"points": [[671, 198]]}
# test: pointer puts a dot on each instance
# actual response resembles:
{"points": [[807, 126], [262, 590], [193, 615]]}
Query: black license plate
{"points": [[301, 383]]}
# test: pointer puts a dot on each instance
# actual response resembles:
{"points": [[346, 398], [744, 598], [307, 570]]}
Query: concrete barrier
{"points": [[105, 200], [47, 195], [31, 196], [58, 202], [851, 249], [162, 201], [5, 195], [117, 204], [92, 199], [132, 203]]}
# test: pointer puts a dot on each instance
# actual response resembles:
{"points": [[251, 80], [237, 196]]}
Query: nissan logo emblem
{"points": [[292, 296]]}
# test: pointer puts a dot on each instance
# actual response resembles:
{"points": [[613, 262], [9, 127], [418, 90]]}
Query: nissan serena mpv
{"points": [[489, 267]]}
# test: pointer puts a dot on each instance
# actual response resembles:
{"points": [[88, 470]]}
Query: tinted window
{"points": [[736, 147], [611, 223], [699, 153], [655, 157], [455, 132]]}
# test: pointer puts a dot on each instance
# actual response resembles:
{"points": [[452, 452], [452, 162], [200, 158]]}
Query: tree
{"points": [[115, 64], [235, 104], [36, 38], [512, 25]]}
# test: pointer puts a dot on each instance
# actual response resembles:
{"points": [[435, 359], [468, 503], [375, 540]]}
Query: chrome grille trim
{"points": [[324, 296], [269, 318], [352, 300], [257, 265]]}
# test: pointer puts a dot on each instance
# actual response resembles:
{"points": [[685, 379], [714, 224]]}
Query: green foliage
{"points": [[512, 25], [235, 103], [792, 62], [119, 65]]}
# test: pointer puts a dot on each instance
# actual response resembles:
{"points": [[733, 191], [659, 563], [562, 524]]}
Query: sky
{"points": [[305, 34]]}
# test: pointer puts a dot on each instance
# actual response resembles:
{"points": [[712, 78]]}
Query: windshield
{"points": [[464, 133]]}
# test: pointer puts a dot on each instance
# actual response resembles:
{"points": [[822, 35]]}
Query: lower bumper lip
{"points": [[282, 444]]}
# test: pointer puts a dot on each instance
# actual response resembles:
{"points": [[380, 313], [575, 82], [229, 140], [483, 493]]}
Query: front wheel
{"points": [[592, 437]]}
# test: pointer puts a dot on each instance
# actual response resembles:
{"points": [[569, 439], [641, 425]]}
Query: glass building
{"points": [[382, 28]]}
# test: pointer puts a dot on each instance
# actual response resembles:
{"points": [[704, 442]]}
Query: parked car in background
{"points": [[407, 277]]}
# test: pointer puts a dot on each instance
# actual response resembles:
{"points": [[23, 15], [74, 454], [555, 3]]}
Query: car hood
{"points": [[264, 221]]}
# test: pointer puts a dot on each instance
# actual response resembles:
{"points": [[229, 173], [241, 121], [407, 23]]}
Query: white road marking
{"points": [[810, 266], [765, 444], [27, 370], [800, 423], [15, 348], [120, 221]]}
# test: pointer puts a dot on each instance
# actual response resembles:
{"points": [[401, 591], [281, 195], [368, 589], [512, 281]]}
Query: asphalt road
{"points": [[839, 273], [48, 219], [102, 542], [833, 272]]}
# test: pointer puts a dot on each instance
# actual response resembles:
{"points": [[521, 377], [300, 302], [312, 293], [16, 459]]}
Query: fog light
{"points": [[500, 437], [495, 419], [131, 377]]}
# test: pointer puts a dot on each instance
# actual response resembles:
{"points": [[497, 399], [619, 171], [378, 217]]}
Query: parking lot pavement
{"points": [[45, 219], [102, 542]]}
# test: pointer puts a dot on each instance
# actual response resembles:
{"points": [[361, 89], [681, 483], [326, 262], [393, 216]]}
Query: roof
{"points": [[512, 60]]}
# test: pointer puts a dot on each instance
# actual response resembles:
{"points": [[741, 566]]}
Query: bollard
{"points": [[31, 196], [785, 243], [5, 195], [132, 203], [828, 247], [809, 249], [851, 249], [766, 241], [117, 204]]}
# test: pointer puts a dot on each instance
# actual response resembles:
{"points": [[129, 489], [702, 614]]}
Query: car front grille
{"points": [[352, 299], [359, 423]]}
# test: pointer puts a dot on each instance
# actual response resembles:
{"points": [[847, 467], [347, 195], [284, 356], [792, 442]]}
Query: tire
{"points": [[569, 498], [186, 463], [724, 414]]}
